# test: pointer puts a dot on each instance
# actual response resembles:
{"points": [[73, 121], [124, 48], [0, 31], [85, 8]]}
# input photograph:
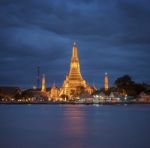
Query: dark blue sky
{"points": [[112, 36]]}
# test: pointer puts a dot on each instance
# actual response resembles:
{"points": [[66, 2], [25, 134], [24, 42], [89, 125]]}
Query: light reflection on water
{"points": [[74, 126]]}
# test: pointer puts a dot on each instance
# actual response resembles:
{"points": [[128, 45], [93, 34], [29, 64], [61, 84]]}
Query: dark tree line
{"points": [[126, 86]]}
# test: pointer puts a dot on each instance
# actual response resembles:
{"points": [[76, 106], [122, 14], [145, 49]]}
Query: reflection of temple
{"points": [[74, 83], [74, 125]]}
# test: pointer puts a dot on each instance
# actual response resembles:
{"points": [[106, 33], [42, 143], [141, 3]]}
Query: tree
{"points": [[124, 81], [126, 86]]}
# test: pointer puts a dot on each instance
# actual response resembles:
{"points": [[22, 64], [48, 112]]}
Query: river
{"points": [[75, 126]]}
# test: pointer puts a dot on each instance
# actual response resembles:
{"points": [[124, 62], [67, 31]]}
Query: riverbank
{"points": [[73, 103]]}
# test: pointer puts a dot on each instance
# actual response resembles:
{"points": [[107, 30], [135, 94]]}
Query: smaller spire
{"points": [[94, 86], [43, 83], [106, 81]]}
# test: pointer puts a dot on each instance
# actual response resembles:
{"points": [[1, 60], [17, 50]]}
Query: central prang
{"points": [[74, 85]]}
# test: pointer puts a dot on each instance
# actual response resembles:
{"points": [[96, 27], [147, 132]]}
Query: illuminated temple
{"points": [[74, 84]]}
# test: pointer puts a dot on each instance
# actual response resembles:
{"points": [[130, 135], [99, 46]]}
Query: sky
{"points": [[112, 36]]}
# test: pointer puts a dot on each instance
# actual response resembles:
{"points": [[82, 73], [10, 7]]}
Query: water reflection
{"points": [[74, 126]]}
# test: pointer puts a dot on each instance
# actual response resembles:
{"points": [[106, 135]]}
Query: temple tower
{"points": [[75, 73], [43, 84], [74, 79], [106, 82]]}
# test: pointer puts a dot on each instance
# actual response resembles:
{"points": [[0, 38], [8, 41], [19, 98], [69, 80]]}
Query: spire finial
{"points": [[74, 44]]}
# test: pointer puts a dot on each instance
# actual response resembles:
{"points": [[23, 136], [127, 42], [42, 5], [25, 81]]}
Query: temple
{"points": [[74, 85]]}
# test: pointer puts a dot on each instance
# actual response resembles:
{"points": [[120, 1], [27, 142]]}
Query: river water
{"points": [[74, 126]]}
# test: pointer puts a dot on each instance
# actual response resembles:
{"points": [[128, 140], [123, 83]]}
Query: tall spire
{"points": [[106, 82], [74, 51], [43, 84], [74, 73], [74, 80]]}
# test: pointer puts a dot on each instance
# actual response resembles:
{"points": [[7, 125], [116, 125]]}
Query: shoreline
{"points": [[73, 103]]}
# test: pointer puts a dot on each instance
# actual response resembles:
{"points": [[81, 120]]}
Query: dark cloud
{"points": [[112, 36]]}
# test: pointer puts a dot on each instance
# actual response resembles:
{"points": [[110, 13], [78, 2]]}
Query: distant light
{"points": [[34, 87]]}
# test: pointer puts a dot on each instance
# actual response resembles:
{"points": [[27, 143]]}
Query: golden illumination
{"points": [[74, 79], [43, 84], [54, 92], [106, 82]]}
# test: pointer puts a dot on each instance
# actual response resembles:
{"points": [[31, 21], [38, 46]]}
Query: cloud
{"points": [[112, 36]]}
